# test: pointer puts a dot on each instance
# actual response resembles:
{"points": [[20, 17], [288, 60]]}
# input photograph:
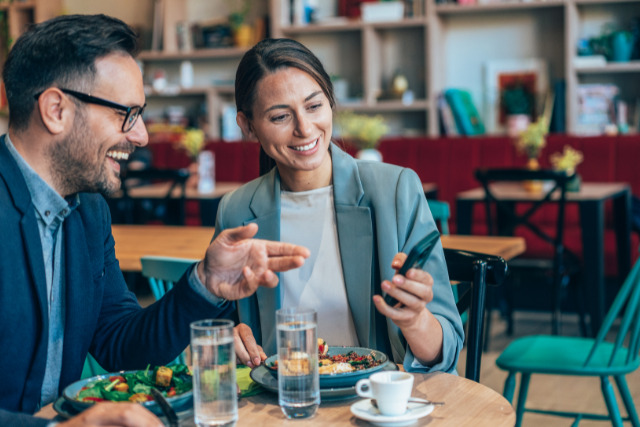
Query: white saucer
{"points": [[364, 410]]}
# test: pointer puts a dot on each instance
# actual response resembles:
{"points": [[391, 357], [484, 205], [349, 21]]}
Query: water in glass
{"points": [[298, 383], [215, 399]]}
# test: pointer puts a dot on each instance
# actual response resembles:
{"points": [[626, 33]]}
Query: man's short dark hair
{"points": [[60, 52]]}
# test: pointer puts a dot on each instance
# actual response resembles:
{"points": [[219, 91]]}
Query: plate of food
{"points": [[174, 382], [266, 379], [340, 366]]}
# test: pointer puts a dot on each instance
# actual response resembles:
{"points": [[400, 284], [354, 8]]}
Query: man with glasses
{"points": [[75, 98]]}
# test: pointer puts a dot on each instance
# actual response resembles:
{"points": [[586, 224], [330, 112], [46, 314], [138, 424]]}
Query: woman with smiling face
{"points": [[358, 219]]}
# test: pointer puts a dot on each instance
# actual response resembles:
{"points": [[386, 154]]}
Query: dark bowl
{"points": [[70, 393], [346, 379]]}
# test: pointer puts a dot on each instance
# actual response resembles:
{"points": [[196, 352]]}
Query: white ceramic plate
{"points": [[364, 410]]}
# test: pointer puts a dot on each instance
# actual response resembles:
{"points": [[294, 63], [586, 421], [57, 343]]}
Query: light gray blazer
{"points": [[380, 211]]}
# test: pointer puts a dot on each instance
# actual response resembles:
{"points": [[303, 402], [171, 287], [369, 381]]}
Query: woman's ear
{"points": [[55, 110], [245, 125]]}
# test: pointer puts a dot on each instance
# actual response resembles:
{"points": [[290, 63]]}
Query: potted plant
{"points": [[517, 102], [364, 132], [242, 32], [567, 161]]}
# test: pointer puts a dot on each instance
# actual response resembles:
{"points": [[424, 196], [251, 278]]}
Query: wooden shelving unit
{"points": [[448, 46]]}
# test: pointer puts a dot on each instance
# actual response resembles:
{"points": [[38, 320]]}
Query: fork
{"points": [[167, 410]]}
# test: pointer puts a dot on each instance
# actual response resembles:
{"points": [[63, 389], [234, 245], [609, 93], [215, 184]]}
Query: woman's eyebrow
{"points": [[275, 107]]}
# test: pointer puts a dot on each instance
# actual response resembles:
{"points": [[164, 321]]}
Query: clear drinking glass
{"points": [[215, 399], [298, 381]]}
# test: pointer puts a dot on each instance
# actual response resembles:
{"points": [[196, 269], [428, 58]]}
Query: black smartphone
{"points": [[417, 256]]}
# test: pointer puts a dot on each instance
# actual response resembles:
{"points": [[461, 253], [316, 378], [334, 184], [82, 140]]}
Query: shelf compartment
{"points": [[454, 9], [214, 53], [612, 68]]}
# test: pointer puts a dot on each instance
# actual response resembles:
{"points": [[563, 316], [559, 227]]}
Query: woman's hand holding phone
{"points": [[416, 258]]}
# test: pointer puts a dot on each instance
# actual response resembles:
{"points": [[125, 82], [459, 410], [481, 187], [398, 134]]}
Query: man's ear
{"points": [[56, 110], [245, 125]]}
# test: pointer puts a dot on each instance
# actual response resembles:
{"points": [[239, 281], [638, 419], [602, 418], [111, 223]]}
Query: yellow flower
{"points": [[365, 131], [568, 160], [192, 141], [532, 140]]}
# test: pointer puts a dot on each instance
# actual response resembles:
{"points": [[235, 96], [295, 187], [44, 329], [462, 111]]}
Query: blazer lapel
{"points": [[78, 290], [265, 206], [356, 241]]}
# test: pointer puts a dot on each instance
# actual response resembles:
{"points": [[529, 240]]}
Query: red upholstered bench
{"points": [[450, 163]]}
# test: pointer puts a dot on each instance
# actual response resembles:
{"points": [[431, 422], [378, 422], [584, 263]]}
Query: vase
{"points": [[574, 183], [516, 124], [532, 186], [243, 36], [371, 154]]}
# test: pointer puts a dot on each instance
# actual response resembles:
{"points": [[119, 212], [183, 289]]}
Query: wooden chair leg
{"points": [[509, 386], [610, 400], [522, 397], [628, 400]]}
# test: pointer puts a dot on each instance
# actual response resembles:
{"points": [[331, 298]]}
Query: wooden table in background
{"points": [[135, 241], [591, 201], [159, 191], [467, 403]]}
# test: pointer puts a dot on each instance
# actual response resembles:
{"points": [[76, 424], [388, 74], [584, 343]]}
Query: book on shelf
{"points": [[464, 111], [557, 124], [445, 115]]}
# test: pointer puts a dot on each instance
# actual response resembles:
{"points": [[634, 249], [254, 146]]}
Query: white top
{"points": [[307, 218]]}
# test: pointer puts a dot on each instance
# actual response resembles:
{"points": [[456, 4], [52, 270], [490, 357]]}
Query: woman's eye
{"points": [[315, 107], [279, 118]]}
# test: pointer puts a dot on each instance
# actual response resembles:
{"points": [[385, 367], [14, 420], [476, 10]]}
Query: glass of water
{"points": [[298, 382], [215, 399]]}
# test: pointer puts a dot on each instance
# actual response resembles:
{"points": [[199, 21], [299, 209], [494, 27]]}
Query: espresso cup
{"points": [[391, 390]]}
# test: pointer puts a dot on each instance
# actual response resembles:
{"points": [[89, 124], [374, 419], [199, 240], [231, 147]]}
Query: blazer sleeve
{"points": [[128, 336], [23, 420], [415, 221]]}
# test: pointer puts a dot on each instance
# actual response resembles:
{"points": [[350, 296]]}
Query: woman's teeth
{"points": [[306, 147], [118, 155]]}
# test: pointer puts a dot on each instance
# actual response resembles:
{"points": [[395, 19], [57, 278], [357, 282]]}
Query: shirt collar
{"points": [[47, 202]]}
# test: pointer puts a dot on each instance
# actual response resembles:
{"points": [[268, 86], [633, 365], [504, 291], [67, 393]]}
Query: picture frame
{"points": [[499, 74]]}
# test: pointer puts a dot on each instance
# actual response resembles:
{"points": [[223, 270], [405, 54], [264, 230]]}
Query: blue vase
{"points": [[621, 46]]}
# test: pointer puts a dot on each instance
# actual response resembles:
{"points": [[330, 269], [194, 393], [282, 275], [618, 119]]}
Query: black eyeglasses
{"points": [[130, 118]]}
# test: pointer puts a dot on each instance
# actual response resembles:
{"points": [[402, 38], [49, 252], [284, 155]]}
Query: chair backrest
{"points": [[441, 214], [158, 209], [475, 270], [162, 273], [625, 306], [509, 218]]}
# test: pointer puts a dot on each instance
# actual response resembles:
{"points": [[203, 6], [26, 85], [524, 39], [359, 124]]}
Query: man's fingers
{"points": [[284, 263], [253, 350], [237, 234], [285, 249]]}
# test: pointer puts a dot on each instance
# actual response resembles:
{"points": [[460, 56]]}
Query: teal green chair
{"points": [[603, 356], [441, 214], [162, 273]]}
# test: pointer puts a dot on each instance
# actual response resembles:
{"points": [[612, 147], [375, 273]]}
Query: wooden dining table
{"points": [[591, 200], [136, 241], [467, 403]]}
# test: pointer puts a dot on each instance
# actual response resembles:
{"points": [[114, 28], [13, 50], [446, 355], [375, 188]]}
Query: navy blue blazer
{"points": [[102, 316]]}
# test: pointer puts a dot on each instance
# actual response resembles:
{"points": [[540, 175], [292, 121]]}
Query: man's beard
{"points": [[76, 168]]}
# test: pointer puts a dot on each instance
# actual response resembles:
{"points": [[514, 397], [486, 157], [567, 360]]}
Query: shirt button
{"points": [[64, 212], [47, 213]]}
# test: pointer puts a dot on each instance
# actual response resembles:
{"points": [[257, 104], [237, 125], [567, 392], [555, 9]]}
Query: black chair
{"points": [[507, 219], [169, 209], [471, 272]]}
